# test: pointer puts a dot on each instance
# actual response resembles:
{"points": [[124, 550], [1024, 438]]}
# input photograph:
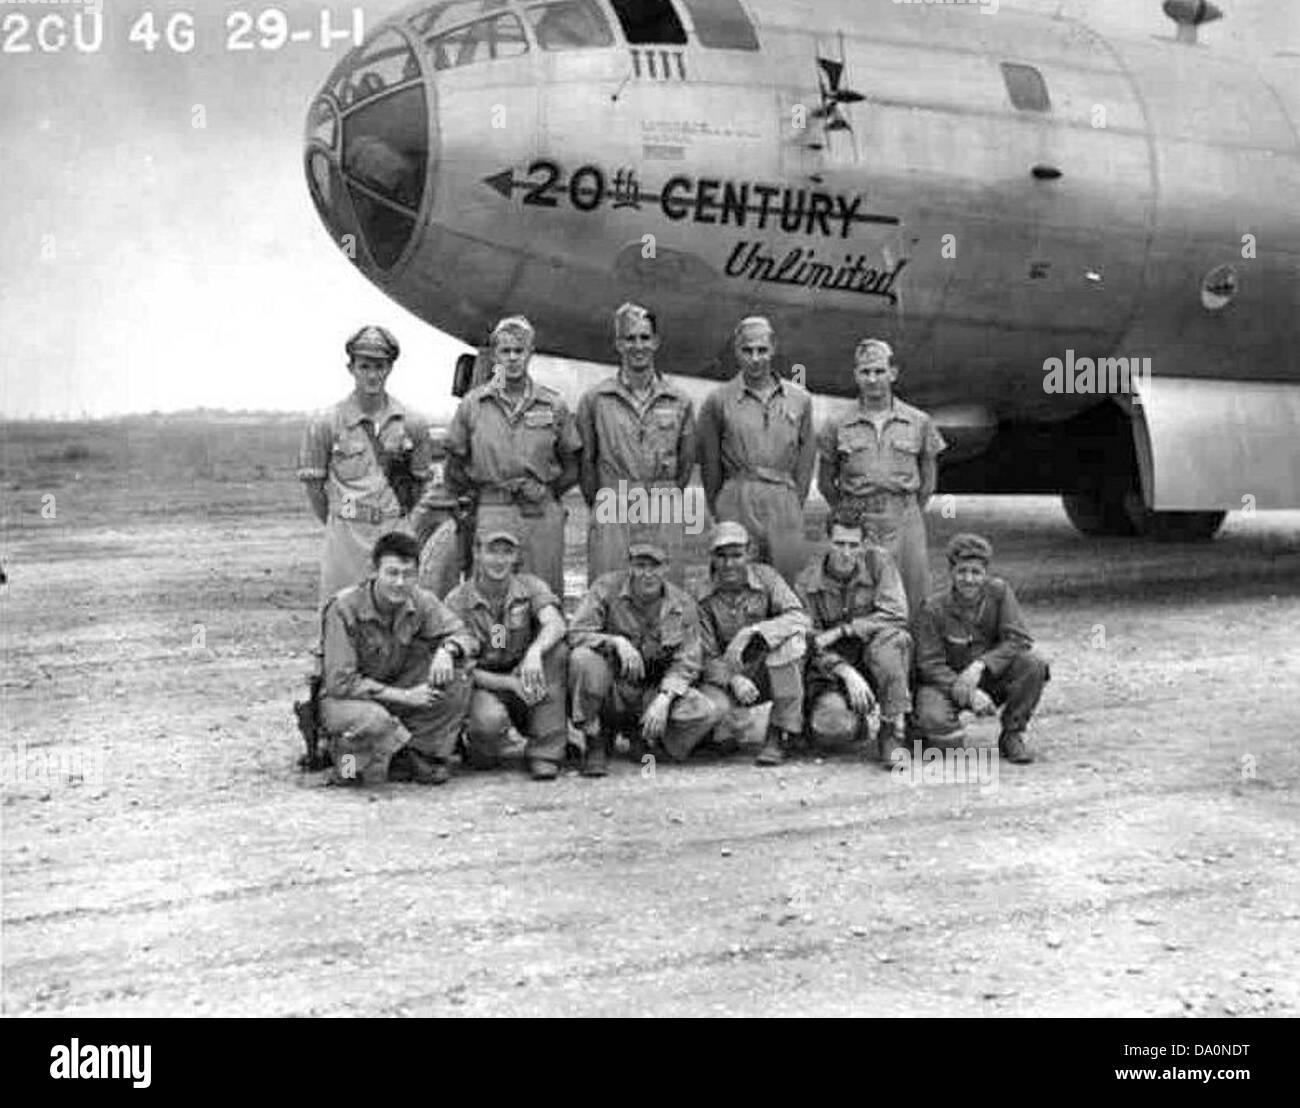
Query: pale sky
{"points": [[149, 264]]}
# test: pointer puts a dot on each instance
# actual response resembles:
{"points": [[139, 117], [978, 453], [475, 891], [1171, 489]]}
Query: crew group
{"points": [[408, 678]]}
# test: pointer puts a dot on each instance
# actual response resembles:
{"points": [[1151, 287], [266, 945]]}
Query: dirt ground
{"points": [[155, 630]]}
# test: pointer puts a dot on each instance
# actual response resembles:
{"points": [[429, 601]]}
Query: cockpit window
{"points": [[384, 63], [450, 13], [722, 24], [368, 147], [569, 25], [323, 123], [499, 37], [650, 21], [386, 144]]}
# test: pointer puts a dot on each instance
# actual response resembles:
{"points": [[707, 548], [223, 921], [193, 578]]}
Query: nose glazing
{"points": [[368, 149]]}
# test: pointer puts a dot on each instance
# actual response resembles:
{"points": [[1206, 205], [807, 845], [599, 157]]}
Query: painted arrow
{"points": [[505, 182]]}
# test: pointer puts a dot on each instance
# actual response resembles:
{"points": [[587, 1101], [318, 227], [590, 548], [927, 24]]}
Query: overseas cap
{"points": [[501, 536], [967, 545], [647, 550], [756, 321], [875, 352], [629, 315], [514, 325], [376, 342], [729, 534]]}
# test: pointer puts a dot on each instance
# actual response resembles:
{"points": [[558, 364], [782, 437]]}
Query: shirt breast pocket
{"points": [[665, 421], [661, 436], [518, 627], [957, 646], [350, 460], [787, 418], [852, 440], [858, 452], [904, 453], [397, 439], [539, 419], [672, 632], [905, 446], [537, 434], [372, 650]]}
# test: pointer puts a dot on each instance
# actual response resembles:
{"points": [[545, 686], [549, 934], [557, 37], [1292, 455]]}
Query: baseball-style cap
{"points": [[501, 536], [375, 342], [729, 533], [967, 545], [647, 550]]}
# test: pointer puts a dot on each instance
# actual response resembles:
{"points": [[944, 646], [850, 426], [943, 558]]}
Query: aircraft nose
{"points": [[369, 136]]}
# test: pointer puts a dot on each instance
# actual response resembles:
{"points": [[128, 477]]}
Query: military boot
{"points": [[773, 752], [400, 765], [594, 760], [542, 770], [427, 771], [888, 739], [1012, 746]]}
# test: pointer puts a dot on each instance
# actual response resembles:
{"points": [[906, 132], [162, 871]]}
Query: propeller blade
{"points": [[833, 70]]}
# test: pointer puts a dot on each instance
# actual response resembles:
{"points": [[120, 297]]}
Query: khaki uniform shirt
{"points": [[855, 460], [950, 635], [336, 449], [365, 651], [766, 603], [497, 443], [740, 435], [666, 633], [504, 628], [874, 592], [649, 444]]}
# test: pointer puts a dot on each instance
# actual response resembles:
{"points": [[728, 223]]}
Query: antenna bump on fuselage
{"points": [[1189, 15]]}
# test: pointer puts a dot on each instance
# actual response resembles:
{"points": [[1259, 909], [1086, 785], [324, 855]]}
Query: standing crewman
{"points": [[364, 462], [754, 629], [394, 691], [514, 449], [638, 436], [973, 651], [519, 673], [861, 648], [880, 465], [757, 450], [440, 523], [637, 655]]}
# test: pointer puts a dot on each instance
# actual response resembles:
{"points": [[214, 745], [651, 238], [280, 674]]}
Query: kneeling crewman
{"points": [[754, 640], [636, 655], [519, 673], [860, 643], [395, 690], [974, 651]]}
